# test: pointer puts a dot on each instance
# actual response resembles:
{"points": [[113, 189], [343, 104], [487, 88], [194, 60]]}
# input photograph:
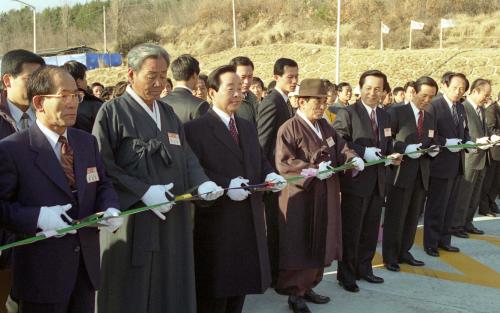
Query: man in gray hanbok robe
{"points": [[147, 266]]}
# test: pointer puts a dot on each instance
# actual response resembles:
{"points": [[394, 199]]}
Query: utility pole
{"points": [[234, 26], [34, 21], [104, 28], [337, 46]]}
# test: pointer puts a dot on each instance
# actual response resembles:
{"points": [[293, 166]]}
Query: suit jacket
{"points": [[354, 125], [448, 164], [7, 123], [31, 177], [477, 129], [492, 116], [248, 108], [273, 112], [87, 112], [7, 127], [404, 131], [231, 255], [185, 105]]}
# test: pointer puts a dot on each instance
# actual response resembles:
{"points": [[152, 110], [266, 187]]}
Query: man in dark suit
{"points": [[447, 167], [231, 257], [87, 110], [63, 166], [15, 111], [15, 114], [274, 110], [412, 129], [491, 184], [248, 108], [475, 163], [367, 130], [185, 70]]}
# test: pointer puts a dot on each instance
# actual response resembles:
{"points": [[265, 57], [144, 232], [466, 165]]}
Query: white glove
{"points": [[358, 163], [111, 220], [210, 191], [452, 142], [156, 195], [470, 150], [371, 154], [238, 194], [484, 143], [324, 166], [279, 183], [392, 158], [412, 150], [50, 220], [436, 151], [495, 139]]}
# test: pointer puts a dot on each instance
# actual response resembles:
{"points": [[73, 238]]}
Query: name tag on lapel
{"points": [[92, 175], [431, 133], [330, 142], [173, 139], [387, 132]]}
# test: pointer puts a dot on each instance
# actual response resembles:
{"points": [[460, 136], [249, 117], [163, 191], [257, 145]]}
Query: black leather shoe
{"points": [[413, 262], [432, 252], [313, 297], [449, 248], [460, 234], [393, 267], [298, 305], [351, 288], [474, 231], [373, 279]]}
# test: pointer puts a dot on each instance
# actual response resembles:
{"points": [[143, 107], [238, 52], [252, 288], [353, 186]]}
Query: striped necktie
{"points": [[67, 160]]}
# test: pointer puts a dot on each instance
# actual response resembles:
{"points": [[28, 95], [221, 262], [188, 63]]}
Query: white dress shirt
{"points": [[369, 110], [416, 111], [17, 114], [285, 97], [224, 116], [53, 138]]}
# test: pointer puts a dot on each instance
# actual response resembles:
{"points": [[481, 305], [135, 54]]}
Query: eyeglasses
{"points": [[68, 97]]}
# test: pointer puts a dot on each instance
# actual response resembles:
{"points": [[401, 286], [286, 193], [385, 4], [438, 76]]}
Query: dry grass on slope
{"points": [[319, 61]]}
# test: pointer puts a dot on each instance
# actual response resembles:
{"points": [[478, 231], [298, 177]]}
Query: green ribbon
{"points": [[98, 217]]}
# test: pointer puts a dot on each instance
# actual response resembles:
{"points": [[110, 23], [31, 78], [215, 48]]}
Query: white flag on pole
{"points": [[447, 23], [384, 28], [416, 25]]}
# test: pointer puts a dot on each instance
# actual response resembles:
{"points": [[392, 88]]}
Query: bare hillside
{"points": [[319, 61]]}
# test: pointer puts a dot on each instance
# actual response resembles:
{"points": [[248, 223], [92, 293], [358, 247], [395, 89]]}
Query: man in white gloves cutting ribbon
{"points": [[447, 167], [50, 175], [367, 130], [231, 255], [413, 130], [310, 223], [146, 154], [476, 162]]}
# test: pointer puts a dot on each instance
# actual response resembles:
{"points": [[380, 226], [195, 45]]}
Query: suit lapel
{"points": [[469, 109], [46, 159], [222, 134], [410, 116], [449, 116], [366, 122]]}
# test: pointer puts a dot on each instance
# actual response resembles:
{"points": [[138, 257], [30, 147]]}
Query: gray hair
{"points": [[138, 54]]}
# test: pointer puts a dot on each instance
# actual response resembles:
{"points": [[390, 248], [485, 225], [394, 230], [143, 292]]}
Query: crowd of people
{"points": [[283, 180]]}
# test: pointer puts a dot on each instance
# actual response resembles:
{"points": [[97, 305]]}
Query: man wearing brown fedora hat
{"points": [[310, 221]]}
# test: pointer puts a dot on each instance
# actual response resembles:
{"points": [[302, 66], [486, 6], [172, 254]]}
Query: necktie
{"points": [[454, 113], [478, 111], [25, 121], [67, 160], [420, 124], [374, 125], [289, 107], [233, 131]]}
